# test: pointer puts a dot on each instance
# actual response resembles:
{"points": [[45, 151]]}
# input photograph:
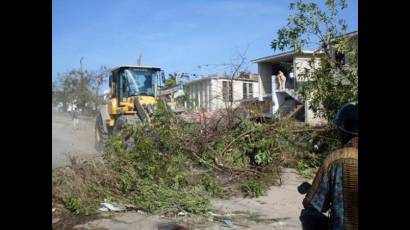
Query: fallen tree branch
{"points": [[232, 169], [305, 130], [205, 162], [237, 138]]}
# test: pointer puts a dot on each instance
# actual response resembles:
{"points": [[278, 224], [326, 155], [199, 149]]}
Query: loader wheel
{"points": [[100, 135], [122, 122]]}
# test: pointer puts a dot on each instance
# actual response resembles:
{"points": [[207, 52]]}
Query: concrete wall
{"points": [[198, 92], [310, 118], [207, 94], [353, 42], [300, 64], [265, 72]]}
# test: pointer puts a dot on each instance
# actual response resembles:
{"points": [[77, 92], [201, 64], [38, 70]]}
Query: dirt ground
{"points": [[66, 140], [278, 209]]}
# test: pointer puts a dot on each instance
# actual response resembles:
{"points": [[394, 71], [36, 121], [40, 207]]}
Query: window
{"points": [[112, 84], [250, 90], [245, 90], [138, 81], [125, 86], [227, 91], [230, 91], [340, 58]]}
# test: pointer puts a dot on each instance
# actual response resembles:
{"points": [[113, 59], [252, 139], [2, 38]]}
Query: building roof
{"points": [[350, 34], [282, 56], [220, 78], [287, 56], [134, 66]]}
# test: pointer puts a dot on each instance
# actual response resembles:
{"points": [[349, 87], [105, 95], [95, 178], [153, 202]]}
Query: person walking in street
{"points": [[75, 115]]}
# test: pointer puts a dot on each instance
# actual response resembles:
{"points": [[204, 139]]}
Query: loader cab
{"points": [[128, 81]]}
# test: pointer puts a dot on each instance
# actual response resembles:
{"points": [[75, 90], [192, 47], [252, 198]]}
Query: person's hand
{"points": [[306, 203]]}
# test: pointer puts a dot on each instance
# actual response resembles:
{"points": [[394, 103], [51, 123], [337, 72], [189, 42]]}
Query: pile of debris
{"points": [[176, 166]]}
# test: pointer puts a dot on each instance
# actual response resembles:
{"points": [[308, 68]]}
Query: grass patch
{"points": [[253, 188]]}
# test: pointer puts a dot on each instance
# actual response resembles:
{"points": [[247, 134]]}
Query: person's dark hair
{"points": [[347, 121]]}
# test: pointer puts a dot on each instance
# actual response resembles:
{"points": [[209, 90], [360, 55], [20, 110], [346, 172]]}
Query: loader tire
{"points": [[122, 122], [101, 136]]}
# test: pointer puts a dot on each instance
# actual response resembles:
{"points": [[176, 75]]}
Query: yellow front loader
{"points": [[130, 99]]}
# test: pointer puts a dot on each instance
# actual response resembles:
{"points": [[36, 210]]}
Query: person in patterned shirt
{"points": [[335, 185]]}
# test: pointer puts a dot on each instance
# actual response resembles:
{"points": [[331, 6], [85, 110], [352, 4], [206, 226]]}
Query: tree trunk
{"points": [[96, 99]]}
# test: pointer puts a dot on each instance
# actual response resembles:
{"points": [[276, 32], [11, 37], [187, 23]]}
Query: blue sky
{"points": [[174, 35]]}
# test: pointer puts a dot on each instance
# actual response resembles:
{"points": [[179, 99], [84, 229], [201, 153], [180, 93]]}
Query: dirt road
{"points": [[278, 209], [66, 140]]}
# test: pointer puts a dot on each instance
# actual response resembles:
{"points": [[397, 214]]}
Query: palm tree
{"points": [[171, 81]]}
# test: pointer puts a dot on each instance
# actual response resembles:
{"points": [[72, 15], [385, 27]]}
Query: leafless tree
{"points": [[98, 78], [81, 86], [237, 66]]}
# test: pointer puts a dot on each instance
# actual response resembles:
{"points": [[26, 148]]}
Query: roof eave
{"points": [[134, 66], [219, 78], [282, 55]]}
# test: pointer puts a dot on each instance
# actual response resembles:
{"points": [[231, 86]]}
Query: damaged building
{"points": [[212, 93], [286, 102]]}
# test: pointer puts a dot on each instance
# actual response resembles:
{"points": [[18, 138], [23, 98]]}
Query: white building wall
{"points": [[256, 90], [208, 93], [310, 117], [265, 72], [217, 100], [201, 95], [238, 90], [194, 96], [206, 97], [300, 65]]}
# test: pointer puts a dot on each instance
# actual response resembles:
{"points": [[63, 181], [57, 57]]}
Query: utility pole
{"points": [[81, 64], [81, 71], [139, 59], [81, 78]]}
